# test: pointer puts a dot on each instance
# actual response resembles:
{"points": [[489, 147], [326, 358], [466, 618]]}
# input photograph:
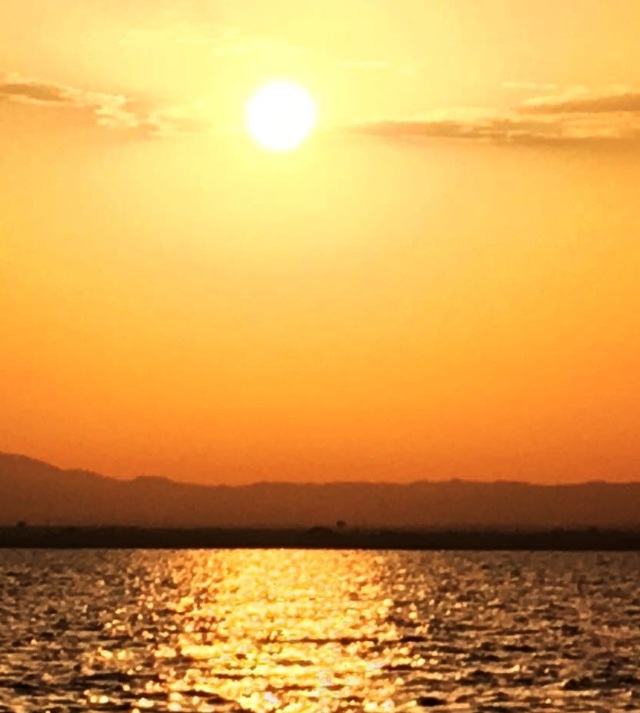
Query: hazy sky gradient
{"points": [[443, 282]]}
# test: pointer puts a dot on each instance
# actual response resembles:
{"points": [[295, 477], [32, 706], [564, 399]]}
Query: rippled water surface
{"points": [[273, 630]]}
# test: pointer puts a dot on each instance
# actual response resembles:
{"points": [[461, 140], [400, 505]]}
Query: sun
{"points": [[280, 115]]}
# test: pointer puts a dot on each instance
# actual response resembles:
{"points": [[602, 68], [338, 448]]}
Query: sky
{"points": [[442, 282]]}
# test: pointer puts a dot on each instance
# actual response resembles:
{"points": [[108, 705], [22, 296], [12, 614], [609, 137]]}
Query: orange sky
{"points": [[442, 282]]}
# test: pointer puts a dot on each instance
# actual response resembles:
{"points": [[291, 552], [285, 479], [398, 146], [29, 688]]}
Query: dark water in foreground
{"points": [[321, 631]]}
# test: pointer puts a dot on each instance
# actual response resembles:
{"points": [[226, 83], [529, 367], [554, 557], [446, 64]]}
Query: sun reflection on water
{"points": [[323, 632], [293, 633]]}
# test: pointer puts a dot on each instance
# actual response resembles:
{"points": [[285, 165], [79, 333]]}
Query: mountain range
{"points": [[38, 493]]}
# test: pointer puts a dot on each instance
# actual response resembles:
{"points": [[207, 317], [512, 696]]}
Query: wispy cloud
{"points": [[231, 43], [214, 39], [576, 117], [33, 92], [110, 110], [583, 101]]}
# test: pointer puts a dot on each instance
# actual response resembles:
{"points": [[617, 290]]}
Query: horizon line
{"points": [[315, 483]]}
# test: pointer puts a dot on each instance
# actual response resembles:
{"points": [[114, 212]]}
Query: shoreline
{"points": [[117, 537]]}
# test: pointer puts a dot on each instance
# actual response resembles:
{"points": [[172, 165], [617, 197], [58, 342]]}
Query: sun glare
{"points": [[280, 116]]}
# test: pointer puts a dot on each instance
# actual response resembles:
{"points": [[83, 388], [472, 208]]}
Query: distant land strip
{"points": [[39, 494], [587, 539]]}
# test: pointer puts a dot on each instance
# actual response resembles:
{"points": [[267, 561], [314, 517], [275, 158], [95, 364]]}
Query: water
{"points": [[273, 630]]}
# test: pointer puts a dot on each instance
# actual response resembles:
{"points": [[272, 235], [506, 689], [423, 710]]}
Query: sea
{"points": [[318, 631]]}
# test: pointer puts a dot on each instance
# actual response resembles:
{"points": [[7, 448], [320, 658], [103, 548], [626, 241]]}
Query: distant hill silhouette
{"points": [[41, 494]]}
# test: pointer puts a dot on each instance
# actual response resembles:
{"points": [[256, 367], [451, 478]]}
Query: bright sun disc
{"points": [[280, 116]]}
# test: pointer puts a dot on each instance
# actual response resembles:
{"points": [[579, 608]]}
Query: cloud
{"points": [[582, 101], [492, 128], [577, 117], [112, 111], [230, 43], [213, 39], [32, 92]]}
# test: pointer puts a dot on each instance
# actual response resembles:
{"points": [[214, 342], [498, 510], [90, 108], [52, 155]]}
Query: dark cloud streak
{"points": [[624, 101], [610, 118], [109, 110], [576, 117], [34, 92]]}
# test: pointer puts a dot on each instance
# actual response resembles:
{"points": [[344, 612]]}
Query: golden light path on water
{"points": [[310, 635], [259, 631]]}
